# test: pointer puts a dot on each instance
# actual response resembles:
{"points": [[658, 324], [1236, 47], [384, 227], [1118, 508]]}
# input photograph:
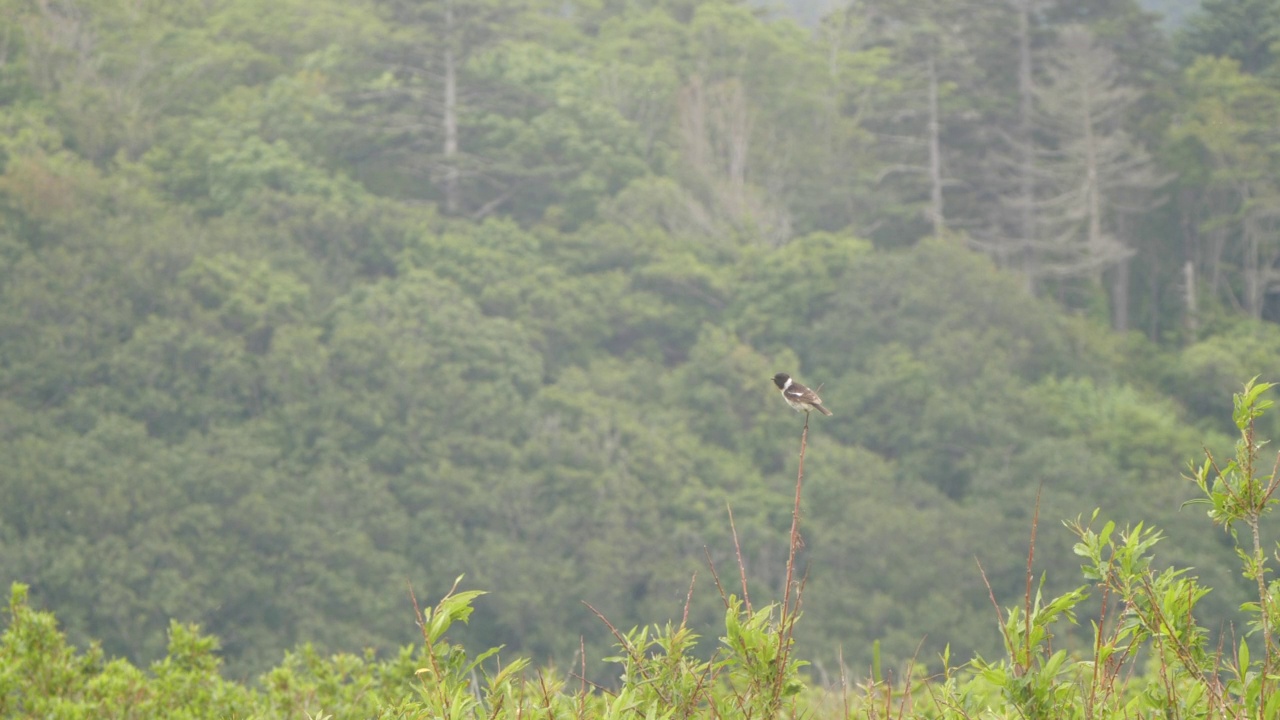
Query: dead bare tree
{"points": [[716, 124], [1089, 170]]}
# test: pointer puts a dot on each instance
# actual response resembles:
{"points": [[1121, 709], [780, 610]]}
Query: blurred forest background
{"points": [[305, 300]]}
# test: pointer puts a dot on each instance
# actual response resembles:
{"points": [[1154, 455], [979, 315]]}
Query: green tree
{"points": [[1243, 30], [1225, 118]]}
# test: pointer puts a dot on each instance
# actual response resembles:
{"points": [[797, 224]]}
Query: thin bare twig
{"points": [[796, 542], [688, 599], [992, 594], [742, 568], [787, 620], [724, 597], [1031, 556]]}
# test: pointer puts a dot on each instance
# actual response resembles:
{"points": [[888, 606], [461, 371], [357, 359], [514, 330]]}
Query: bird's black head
{"points": [[781, 380]]}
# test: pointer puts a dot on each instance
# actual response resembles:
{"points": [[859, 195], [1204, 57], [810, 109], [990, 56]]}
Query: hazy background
{"points": [[303, 301]]}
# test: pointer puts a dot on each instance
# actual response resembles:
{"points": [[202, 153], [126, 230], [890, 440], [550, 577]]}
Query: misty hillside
{"points": [[302, 303]]}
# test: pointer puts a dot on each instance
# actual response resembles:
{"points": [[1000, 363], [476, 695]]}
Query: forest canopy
{"points": [[303, 303]]}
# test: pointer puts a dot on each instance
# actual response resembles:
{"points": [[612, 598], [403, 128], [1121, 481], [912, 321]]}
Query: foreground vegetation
{"points": [[1146, 653]]}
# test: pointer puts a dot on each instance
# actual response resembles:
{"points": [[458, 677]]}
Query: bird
{"points": [[799, 397]]}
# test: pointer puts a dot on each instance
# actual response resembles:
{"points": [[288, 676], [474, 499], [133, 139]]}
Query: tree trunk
{"points": [[935, 154], [451, 200], [1094, 239], [1189, 297], [1253, 270], [1026, 152], [1190, 250], [1153, 299], [1120, 297]]}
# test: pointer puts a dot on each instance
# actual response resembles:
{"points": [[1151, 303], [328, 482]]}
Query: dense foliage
{"points": [[1147, 617], [303, 303]]}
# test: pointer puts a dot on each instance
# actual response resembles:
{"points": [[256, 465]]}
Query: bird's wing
{"points": [[803, 394]]}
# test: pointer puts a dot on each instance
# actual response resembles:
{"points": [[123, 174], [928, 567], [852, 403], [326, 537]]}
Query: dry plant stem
{"points": [[992, 594], [1213, 463], [1154, 620], [546, 695], [1165, 678], [1255, 511], [1099, 673], [906, 684], [947, 702], [582, 657], [1255, 505], [1231, 491], [688, 600], [1264, 597], [583, 699], [1264, 606], [795, 524], [1031, 556], [724, 597], [844, 680], [742, 568], [786, 622], [636, 658], [888, 695], [1274, 482], [692, 701], [431, 651]]}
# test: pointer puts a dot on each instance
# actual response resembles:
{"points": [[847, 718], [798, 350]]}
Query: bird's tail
{"points": [[823, 410]]}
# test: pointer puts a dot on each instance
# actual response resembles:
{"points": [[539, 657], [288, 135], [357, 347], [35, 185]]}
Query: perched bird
{"points": [[798, 396]]}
